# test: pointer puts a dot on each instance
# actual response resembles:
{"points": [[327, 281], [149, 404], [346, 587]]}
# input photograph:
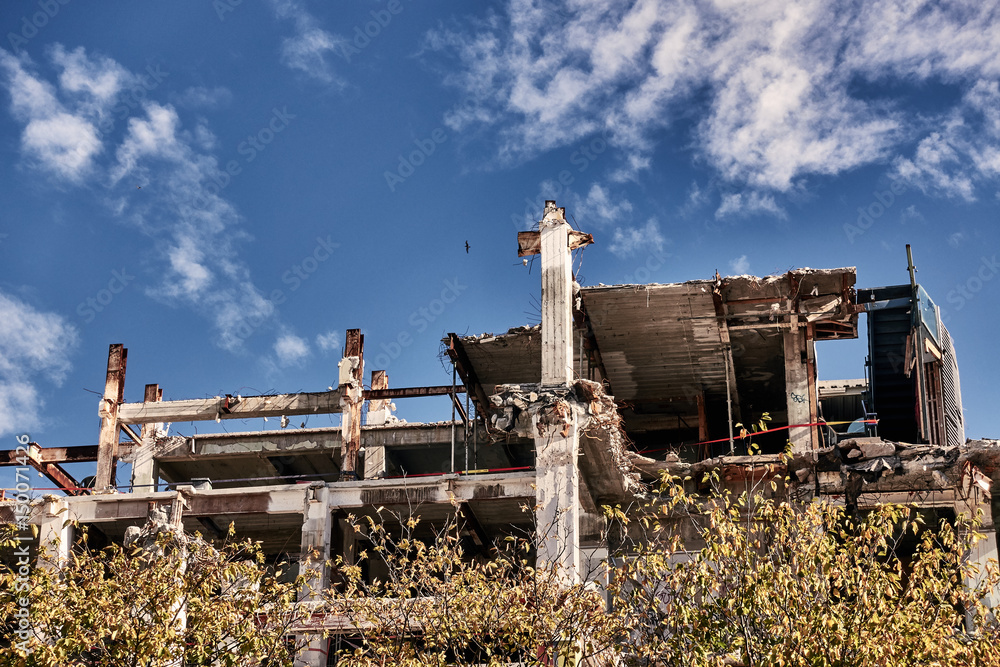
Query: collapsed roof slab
{"points": [[658, 341], [667, 341], [662, 346], [514, 357]]}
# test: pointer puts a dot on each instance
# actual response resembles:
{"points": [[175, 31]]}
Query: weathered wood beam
{"points": [[247, 407], [107, 442]]}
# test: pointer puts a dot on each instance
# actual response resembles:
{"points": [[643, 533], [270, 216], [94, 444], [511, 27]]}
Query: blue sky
{"points": [[225, 187]]}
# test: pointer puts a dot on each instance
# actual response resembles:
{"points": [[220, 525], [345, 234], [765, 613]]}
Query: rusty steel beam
{"points": [[530, 243], [107, 442], [82, 453], [460, 408], [481, 537], [132, 435], [456, 351], [354, 347], [409, 392], [58, 476], [591, 347], [53, 471]]}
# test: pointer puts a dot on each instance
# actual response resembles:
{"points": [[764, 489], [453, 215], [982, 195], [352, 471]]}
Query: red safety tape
{"points": [[753, 433]]}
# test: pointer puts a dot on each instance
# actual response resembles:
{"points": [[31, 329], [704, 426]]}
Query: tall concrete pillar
{"points": [[797, 389], [557, 439], [974, 497], [557, 297], [145, 471], [55, 538], [557, 498], [316, 523], [378, 414]]}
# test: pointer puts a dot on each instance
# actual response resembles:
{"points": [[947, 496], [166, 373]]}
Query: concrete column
{"points": [[144, 468], [557, 498], [797, 387], [378, 414], [349, 541], [145, 471], [55, 540], [977, 500], [375, 462], [557, 439], [557, 297], [316, 523]]}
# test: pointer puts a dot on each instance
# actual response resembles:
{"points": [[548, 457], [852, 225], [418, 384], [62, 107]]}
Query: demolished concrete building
{"points": [[616, 385]]}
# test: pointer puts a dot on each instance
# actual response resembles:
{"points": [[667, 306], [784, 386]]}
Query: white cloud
{"points": [[93, 82], [291, 349], [956, 239], [773, 82], [62, 143], [740, 266], [329, 342], [202, 97], [628, 240], [911, 213], [744, 204], [197, 229], [937, 166], [32, 344], [308, 50], [600, 206], [63, 137], [153, 136], [963, 152]]}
